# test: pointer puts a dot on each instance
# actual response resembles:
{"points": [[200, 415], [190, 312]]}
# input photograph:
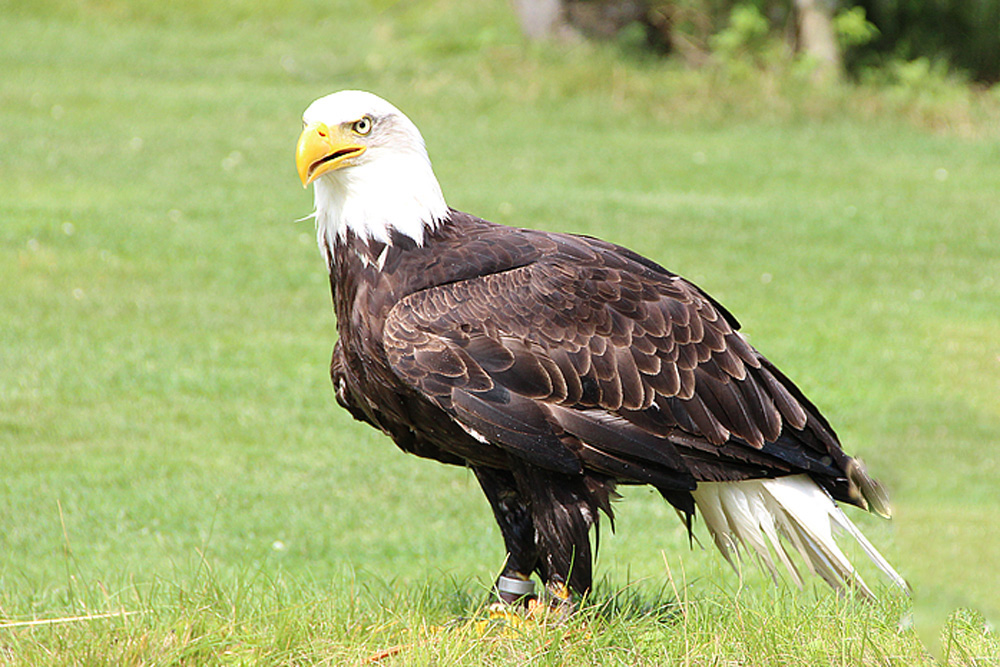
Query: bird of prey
{"points": [[557, 367]]}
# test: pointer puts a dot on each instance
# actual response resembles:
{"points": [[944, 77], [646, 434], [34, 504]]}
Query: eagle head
{"points": [[369, 169]]}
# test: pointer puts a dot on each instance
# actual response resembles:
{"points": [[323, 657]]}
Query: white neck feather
{"points": [[392, 190]]}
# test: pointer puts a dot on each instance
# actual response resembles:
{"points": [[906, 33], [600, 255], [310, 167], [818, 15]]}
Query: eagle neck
{"points": [[392, 198]]}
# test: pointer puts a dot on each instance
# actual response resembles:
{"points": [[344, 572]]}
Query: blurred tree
{"points": [[966, 34], [815, 35], [683, 26], [602, 19], [542, 19]]}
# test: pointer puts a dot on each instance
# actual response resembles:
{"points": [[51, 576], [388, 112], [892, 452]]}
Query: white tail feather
{"points": [[755, 512]]}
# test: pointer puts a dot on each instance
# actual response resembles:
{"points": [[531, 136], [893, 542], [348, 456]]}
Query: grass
{"points": [[169, 440]]}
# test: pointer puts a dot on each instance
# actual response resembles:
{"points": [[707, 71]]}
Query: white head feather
{"points": [[391, 186]]}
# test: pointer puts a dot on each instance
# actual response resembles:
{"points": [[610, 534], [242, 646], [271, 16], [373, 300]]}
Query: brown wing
{"points": [[595, 357]]}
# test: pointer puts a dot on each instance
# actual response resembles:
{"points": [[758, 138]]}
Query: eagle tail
{"points": [[756, 512]]}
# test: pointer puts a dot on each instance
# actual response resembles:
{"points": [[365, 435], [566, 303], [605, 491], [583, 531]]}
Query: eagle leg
{"points": [[545, 519], [563, 508], [513, 515]]}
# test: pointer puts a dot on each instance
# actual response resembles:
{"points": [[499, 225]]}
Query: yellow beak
{"points": [[322, 149]]}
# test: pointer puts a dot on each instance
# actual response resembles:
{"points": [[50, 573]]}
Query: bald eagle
{"points": [[557, 367]]}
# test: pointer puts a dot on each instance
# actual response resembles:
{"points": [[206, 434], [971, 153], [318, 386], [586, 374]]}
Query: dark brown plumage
{"points": [[557, 367]]}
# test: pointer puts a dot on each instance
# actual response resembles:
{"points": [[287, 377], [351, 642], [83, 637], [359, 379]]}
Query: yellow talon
{"points": [[559, 591]]}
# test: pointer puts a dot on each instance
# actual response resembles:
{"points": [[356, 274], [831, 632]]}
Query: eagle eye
{"points": [[362, 126]]}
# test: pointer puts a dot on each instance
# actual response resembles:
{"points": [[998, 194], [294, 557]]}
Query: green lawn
{"points": [[170, 442]]}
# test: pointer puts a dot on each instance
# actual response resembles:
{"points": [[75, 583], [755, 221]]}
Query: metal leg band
{"points": [[516, 588]]}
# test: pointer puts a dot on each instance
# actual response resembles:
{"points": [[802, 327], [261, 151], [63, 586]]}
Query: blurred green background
{"points": [[165, 321]]}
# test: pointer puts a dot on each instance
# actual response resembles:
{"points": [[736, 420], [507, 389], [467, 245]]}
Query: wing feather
{"points": [[519, 425], [590, 355]]}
